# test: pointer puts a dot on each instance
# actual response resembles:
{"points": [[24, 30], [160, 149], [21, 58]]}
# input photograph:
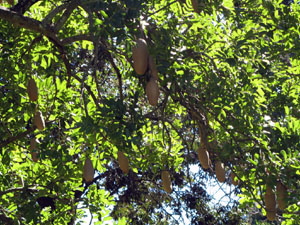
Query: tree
{"points": [[228, 77]]}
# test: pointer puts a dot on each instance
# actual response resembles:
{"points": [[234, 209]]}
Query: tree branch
{"points": [[5, 219], [65, 60], [27, 23], [19, 136], [72, 5], [80, 37], [54, 12], [162, 8], [16, 190], [34, 41], [88, 88], [23, 5]]}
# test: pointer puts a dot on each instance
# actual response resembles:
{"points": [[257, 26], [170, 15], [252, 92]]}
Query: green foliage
{"points": [[229, 81]]}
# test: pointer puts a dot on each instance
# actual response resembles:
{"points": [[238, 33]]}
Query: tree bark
{"points": [[27, 23]]}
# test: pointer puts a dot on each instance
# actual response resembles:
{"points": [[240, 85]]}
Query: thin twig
{"points": [[79, 37], [28, 23], [19, 136], [72, 5], [88, 88], [91, 218], [22, 6], [17, 189], [64, 57], [54, 12], [34, 41], [162, 8], [85, 104], [116, 69]]}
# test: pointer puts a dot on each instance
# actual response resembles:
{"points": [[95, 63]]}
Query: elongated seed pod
{"points": [[39, 120], [88, 171], [203, 157], [271, 215], [269, 190], [153, 69], [281, 195], [167, 184], [270, 202], [152, 91], [220, 171], [32, 144], [123, 162], [32, 90], [234, 179], [11, 2], [140, 56], [195, 6], [34, 156]]}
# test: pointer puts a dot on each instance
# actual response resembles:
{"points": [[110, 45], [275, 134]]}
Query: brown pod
{"points": [[33, 142], [269, 190], [152, 91], [39, 120], [32, 90], [281, 195], [123, 162], [152, 66], [220, 171], [195, 6], [88, 171], [270, 200], [165, 176], [271, 215], [203, 157], [34, 156], [11, 2], [234, 179], [140, 56]]}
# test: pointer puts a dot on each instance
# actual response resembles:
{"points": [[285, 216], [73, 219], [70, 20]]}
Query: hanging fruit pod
{"points": [[203, 157], [33, 143], [32, 90], [220, 171], [152, 91], [11, 2], [34, 156], [140, 56], [123, 162], [32, 149], [234, 179], [281, 191], [166, 180], [88, 171], [39, 120], [195, 6], [270, 202], [152, 67]]}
